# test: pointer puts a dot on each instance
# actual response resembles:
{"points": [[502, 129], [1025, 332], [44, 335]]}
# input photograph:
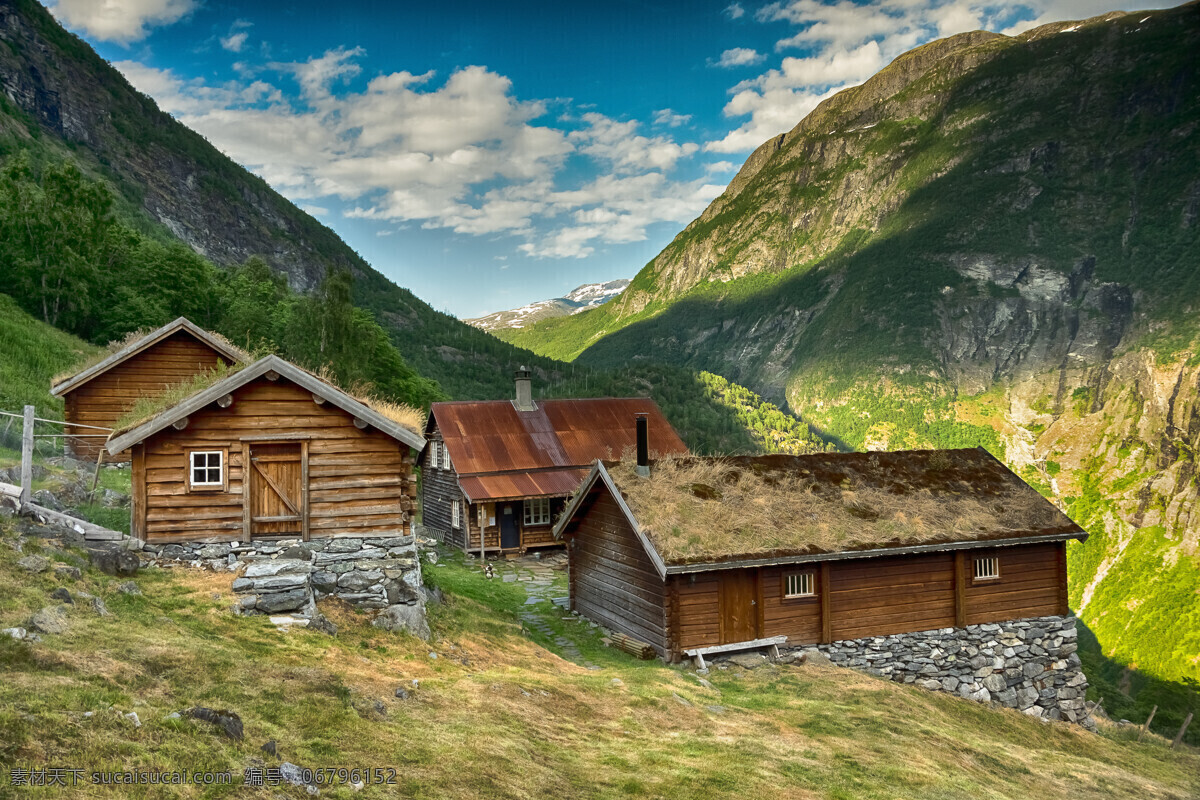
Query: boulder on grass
{"points": [[410, 619], [34, 564], [116, 561], [51, 619]]}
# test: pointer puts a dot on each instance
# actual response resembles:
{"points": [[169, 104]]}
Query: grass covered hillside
{"points": [[33, 352], [504, 710]]}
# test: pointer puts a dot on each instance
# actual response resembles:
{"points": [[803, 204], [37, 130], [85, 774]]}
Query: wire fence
{"points": [[53, 437]]}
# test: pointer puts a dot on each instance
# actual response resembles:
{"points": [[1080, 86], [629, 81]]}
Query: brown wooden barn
{"points": [[706, 552], [506, 467], [271, 452], [100, 394]]}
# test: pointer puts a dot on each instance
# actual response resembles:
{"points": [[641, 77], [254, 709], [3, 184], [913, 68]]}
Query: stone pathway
{"points": [[544, 582]]}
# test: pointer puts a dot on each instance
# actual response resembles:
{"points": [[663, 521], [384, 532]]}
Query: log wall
{"points": [[360, 482], [106, 397], [613, 581]]}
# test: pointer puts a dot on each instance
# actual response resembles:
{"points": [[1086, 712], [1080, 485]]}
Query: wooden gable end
{"points": [[103, 399]]}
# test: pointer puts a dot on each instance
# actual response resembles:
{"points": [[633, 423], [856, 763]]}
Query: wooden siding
{"points": [[880, 596], [1032, 583], [106, 397], [359, 482], [613, 581], [439, 488], [799, 619]]}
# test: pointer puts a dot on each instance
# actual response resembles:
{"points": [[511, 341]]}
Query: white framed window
{"points": [[445, 456], [987, 569], [435, 454], [206, 469], [799, 584], [537, 511], [454, 514]]}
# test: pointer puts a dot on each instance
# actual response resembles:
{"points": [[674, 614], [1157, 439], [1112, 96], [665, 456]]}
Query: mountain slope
{"points": [[991, 242], [581, 298], [61, 101]]}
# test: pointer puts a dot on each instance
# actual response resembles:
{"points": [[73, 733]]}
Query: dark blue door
{"points": [[510, 535]]}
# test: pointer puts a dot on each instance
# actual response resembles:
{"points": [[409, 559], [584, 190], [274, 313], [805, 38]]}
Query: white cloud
{"points": [[720, 166], [667, 117], [846, 42], [234, 42], [462, 153], [120, 21], [739, 57], [735, 11]]}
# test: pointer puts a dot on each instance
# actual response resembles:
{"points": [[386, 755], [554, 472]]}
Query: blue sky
{"points": [[489, 154]]}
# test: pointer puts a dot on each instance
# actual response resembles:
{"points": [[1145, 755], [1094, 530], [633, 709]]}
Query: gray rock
{"points": [[402, 693], [275, 583], [50, 620], [34, 564], [324, 581], [133, 717], [46, 499], [748, 660], [321, 623], [330, 556], [67, 571], [175, 551], [343, 545], [14, 633], [97, 606], [213, 551], [115, 561], [404, 618], [62, 595], [400, 592], [128, 587], [358, 581], [283, 601], [281, 566], [995, 683], [227, 721], [1032, 669], [270, 748]]}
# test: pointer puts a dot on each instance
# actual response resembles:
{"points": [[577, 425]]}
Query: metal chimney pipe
{"points": [[643, 446]]}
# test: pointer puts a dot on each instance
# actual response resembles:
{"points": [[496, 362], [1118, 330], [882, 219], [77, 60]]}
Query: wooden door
{"points": [[737, 605], [277, 502], [510, 534]]}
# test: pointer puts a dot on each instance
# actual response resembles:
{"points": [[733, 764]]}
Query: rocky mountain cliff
{"points": [[990, 242], [581, 298]]}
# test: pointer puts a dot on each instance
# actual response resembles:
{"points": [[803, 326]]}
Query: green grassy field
{"points": [[499, 713]]}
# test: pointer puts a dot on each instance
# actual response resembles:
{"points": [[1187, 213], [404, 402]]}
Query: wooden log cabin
{"points": [[706, 552], [503, 469], [271, 452], [102, 393]]}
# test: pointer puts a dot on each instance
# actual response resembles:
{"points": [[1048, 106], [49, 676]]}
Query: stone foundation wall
{"points": [[1029, 664], [290, 575]]}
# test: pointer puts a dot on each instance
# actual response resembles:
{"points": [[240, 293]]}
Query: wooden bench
{"points": [[697, 654]]}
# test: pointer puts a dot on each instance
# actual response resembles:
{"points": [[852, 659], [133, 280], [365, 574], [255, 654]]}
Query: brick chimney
{"points": [[524, 399]]}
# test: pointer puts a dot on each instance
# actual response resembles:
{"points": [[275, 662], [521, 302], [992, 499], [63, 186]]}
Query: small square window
{"points": [[987, 569], [537, 511], [206, 469], [799, 584]]}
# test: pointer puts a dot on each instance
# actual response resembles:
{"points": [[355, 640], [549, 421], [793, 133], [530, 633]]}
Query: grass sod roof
{"points": [[148, 407], [698, 510], [135, 338]]}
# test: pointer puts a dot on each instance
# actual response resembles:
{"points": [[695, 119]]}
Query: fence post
{"points": [[27, 457], [1182, 731], [1146, 727]]}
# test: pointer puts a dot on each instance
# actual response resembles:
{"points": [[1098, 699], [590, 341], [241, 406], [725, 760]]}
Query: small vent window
{"points": [[987, 569], [207, 469], [537, 511], [454, 512], [799, 584]]}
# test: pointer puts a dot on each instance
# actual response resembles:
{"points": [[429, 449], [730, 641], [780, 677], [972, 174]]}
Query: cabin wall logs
{"points": [[106, 397], [360, 481], [613, 581]]}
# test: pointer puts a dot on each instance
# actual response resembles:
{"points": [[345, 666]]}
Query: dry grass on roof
{"points": [[131, 338], [149, 407], [699, 509]]}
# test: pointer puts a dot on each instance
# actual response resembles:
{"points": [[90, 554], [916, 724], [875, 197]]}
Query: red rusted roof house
{"points": [[504, 468]]}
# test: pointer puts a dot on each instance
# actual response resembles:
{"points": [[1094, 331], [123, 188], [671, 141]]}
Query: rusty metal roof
{"points": [[489, 437], [515, 485]]}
